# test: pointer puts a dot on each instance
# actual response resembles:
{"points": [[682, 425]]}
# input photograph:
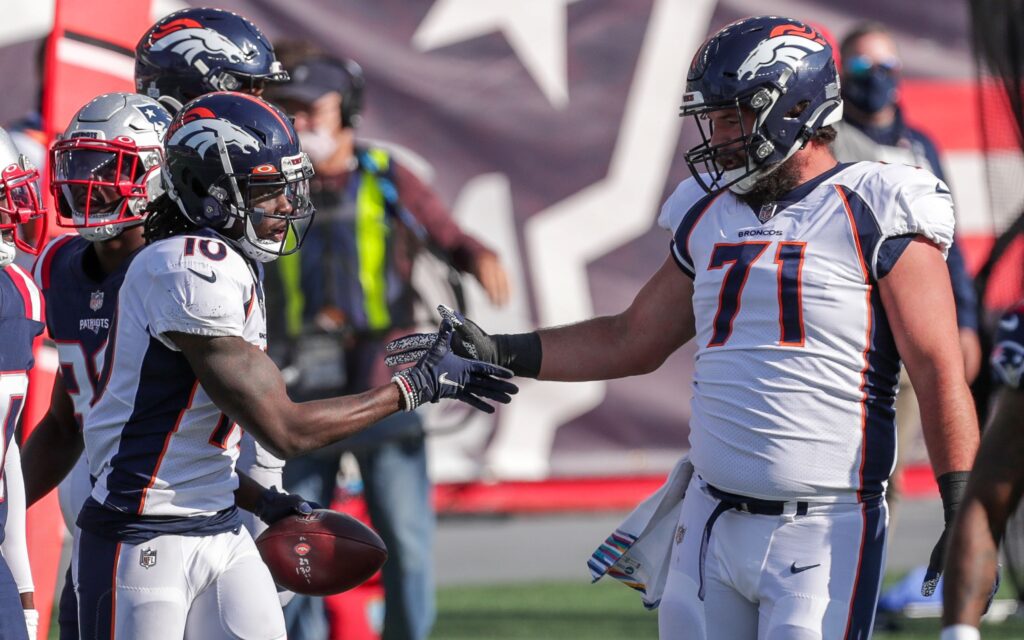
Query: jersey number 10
{"points": [[789, 259]]}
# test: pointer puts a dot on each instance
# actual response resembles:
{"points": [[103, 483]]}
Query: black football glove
{"points": [[440, 373], [521, 352], [274, 505], [952, 486]]}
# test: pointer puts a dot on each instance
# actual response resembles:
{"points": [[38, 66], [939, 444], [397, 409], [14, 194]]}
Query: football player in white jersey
{"points": [[184, 55], [22, 225], [804, 283], [993, 492], [161, 551]]}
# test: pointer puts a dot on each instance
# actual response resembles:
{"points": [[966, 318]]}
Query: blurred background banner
{"points": [[551, 128]]}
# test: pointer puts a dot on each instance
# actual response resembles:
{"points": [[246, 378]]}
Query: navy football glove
{"points": [[439, 373], [952, 486], [274, 505], [519, 352]]}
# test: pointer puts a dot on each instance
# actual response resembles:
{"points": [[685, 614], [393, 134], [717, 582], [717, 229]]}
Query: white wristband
{"points": [[32, 623], [960, 632]]}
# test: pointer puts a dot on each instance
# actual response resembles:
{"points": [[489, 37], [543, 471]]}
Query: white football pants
{"points": [[787, 577]]}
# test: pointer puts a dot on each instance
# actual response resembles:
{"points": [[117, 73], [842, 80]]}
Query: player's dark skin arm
{"points": [[246, 384], [52, 448], [918, 300], [247, 494], [993, 492], [636, 341]]}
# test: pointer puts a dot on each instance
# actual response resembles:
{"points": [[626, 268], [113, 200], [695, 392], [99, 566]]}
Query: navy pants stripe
{"points": [[869, 577]]}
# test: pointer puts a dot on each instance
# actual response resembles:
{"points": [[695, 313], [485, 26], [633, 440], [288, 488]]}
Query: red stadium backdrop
{"points": [[551, 129], [89, 53]]}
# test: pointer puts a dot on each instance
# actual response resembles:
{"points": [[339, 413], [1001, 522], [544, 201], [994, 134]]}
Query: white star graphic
{"points": [[563, 239], [536, 30]]}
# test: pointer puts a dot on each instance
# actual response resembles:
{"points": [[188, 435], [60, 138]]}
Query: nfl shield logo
{"points": [[147, 558], [96, 300], [766, 212]]}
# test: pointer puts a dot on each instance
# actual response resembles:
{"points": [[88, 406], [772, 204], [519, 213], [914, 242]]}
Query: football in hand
{"points": [[322, 553]]}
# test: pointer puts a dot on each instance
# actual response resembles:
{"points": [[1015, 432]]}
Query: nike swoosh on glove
{"points": [[440, 373]]}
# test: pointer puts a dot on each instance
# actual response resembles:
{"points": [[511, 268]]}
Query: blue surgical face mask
{"points": [[870, 88]]}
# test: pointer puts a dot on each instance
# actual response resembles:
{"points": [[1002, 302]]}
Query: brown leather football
{"points": [[322, 553]]}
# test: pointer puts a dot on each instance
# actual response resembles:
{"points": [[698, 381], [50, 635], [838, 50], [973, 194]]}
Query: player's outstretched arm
{"points": [[636, 341], [993, 491], [53, 447], [918, 301], [246, 385]]}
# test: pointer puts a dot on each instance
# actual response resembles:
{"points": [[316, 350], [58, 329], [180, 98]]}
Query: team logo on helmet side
{"points": [[159, 118], [189, 39], [1008, 363], [787, 43], [199, 128]]}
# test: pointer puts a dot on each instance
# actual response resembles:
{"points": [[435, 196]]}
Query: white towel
{"points": [[637, 553]]}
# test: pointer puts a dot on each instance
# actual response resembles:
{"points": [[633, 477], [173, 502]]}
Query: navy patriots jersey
{"points": [[80, 305], [21, 314]]}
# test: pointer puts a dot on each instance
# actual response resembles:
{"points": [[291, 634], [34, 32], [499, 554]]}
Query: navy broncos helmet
{"points": [[227, 156], [196, 51], [780, 69]]}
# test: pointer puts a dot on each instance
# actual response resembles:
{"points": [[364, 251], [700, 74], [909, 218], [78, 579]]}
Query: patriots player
{"points": [[993, 491], [161, 551], [194, 51], [105, 174], [804, 283], [22, 219]]}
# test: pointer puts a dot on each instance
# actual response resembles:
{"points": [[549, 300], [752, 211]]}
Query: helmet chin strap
{"points": [[746, 185]]}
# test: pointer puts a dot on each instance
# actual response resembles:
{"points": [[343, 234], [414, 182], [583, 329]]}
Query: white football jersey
{"points": [[156, 443], [796, 368]]}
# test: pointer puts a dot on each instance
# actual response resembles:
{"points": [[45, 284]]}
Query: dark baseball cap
{"points": [[311, 80]]}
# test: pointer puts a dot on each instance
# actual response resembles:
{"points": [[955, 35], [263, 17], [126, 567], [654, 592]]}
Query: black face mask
{"points": [[872, 91]]}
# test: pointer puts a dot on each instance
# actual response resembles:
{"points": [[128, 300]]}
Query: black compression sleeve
{"points": [[520, 352]]}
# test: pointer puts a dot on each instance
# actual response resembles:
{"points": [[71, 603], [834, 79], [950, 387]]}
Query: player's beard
{"points": [[773, 186]]}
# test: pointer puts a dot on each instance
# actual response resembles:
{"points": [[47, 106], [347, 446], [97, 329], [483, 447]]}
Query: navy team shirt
{"points": [[21, 311]]}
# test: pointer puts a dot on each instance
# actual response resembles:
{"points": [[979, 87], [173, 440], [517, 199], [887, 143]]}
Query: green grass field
{"points": [[563, 611], [605, 611]]}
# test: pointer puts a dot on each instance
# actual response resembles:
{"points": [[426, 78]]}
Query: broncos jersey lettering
{"points": [[156, 443], [796, 367]]}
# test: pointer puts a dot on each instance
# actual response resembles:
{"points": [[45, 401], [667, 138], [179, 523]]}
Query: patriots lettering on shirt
{"points": [[21, 320], [792, 304], [157, 445], [1007, 360]]}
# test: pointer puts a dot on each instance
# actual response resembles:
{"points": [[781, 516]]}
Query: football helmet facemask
{"points": [[195, 51], [234, 165], [782, 71], [22, 214], [105, 168]]}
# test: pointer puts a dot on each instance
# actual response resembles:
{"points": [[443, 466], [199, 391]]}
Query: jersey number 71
{"points": [[789, 258]]}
